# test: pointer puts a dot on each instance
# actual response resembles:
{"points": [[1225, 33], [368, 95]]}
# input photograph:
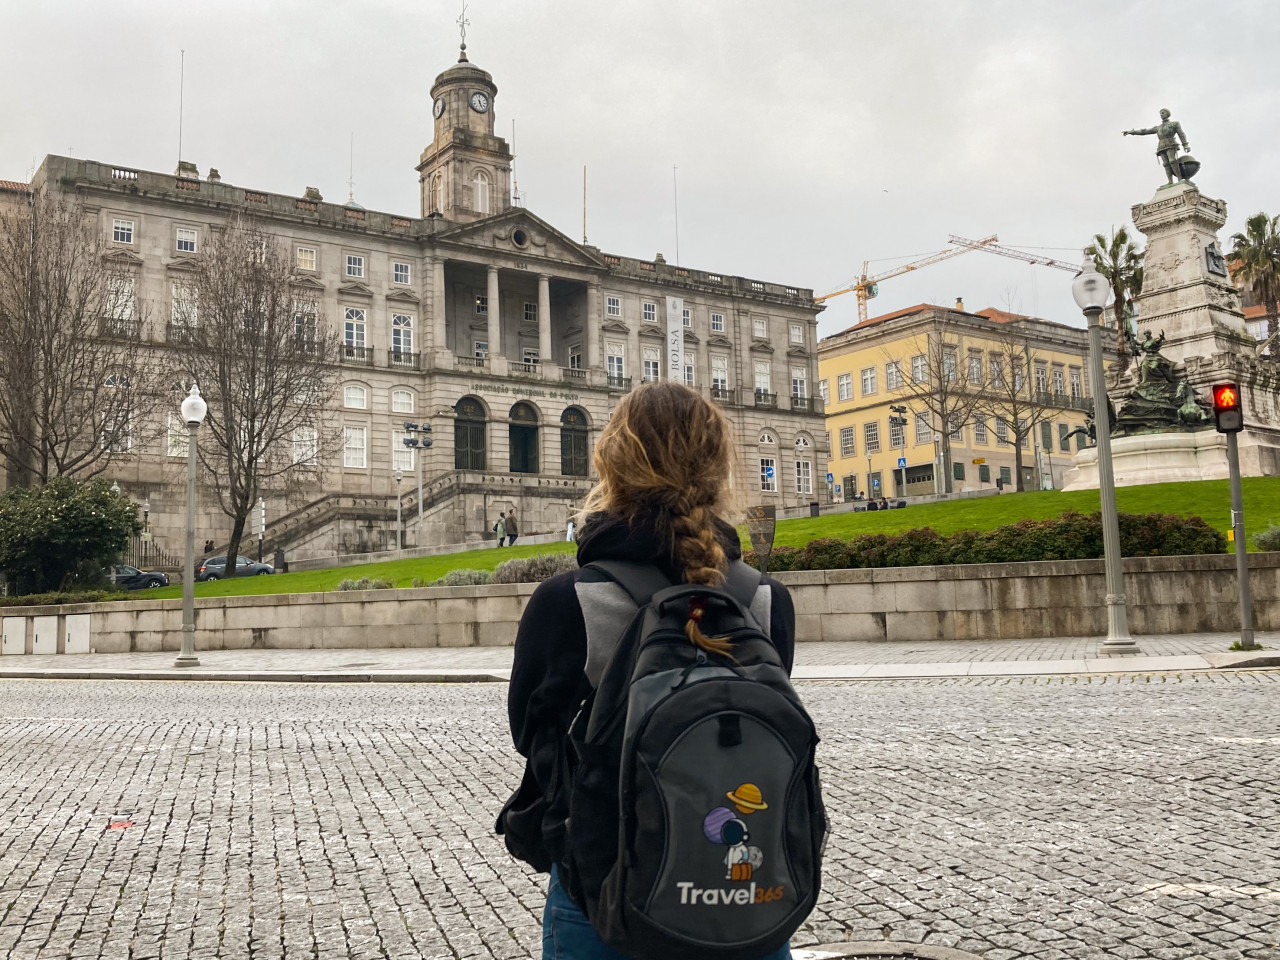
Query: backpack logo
{"points": [[726, 827]]}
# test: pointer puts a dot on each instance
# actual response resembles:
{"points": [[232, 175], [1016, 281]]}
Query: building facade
{"points": [[882, 363], [513, 341]]}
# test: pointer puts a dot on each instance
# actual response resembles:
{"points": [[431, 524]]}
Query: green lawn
{"points": [[1210, 499]]}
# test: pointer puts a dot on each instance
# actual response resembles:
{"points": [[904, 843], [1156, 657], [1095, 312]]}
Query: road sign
{"points": [[902, 463], [875, 481], [979, 459], [1226, 408], [768, 472], [837, 488], [830, 477]]}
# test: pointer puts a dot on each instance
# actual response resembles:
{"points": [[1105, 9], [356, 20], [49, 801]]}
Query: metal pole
{"points": [[1242, 560], [417, 459], [398, 527], [188, 658], [1118, 639]]}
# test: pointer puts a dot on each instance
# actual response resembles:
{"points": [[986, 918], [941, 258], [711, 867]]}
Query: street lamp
{"points": [[868, 474], [416, 435], [193, 413], [399, 477], [1091, 291]]}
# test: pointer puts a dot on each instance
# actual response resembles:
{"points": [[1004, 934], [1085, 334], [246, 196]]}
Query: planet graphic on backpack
{"points": [[723, 826]]}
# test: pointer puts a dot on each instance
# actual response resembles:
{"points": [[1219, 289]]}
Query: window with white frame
{"points": [[1042, 378], [1017, 375], [766, 437], [760, 328], [306, 328], [615, 355], [186, 240], [529, 356], [355, 265], [804, 476], [257, 249], [122, 231], [401, 456], [924, 429], [400, 273], [997, 372], [649, 312], [306, 445], [799, 382], [717, 323], [1002, 432], [690, 361], [980, 430], [613, 306], [768, 474], [684, 317], [401, 333], [848, 445], [575, 356], [530, 312], [120, 292], [306, 258], [184, 308], [1075, 383], [1059, 381], [824, 391], [897, 433], [762, 376], [893, 375], [1024, 433], [844, 386], [652, 363], [871, 437], [826, 436], [949, 366], [719, 372], [177, 437], [354, 441], [482, 305], [919, 368], [480, 349], [797, 333], [868, 381], [401, 400], [480, 192], [957, 434], [975, 369], [355, 396], [353, 328]]}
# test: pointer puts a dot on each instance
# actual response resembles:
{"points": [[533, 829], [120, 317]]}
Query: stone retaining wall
{"points": [[966, 602]]}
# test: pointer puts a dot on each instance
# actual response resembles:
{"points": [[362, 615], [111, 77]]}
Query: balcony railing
{"points": [[115, 328], [525, 369], [404, 359], [724, 395], [572, 373], [620, 383], [1064, 401], [479, 363], [802, 403], [179, 333], [354, 354], [766, 399]]}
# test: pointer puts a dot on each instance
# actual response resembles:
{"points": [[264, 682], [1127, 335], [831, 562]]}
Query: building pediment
{"points": [[797, 352], [122, 258], [404, 296], [719, 340], [182, 263], [614, 326], [653, 333], [355, 290], [761, 346], [521, 233], [308, 281]]}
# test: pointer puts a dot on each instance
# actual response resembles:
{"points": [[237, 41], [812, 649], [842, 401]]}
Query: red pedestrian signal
{"points": [[1226, 408]]}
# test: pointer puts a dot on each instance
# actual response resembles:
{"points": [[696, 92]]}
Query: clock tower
{"points": [[465, 174]]}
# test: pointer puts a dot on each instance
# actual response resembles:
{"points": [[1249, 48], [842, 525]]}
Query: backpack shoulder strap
{"points": [[609, 606], [746, 585]]}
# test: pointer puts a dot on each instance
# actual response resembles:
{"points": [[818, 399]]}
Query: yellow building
{"points": [[970, 369]]}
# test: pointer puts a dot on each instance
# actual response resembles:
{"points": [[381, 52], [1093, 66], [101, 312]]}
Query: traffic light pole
{"points": [[1242, 560]]}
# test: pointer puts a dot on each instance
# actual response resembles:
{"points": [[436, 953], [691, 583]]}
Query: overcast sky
{"points": [[808, 136]]}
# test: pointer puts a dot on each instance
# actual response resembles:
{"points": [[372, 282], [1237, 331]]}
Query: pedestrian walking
{"points": [[500, 528], [568, 531], [664, 464], [513, 531]]}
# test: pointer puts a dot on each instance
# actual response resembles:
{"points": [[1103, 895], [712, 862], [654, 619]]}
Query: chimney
{"points": [[214, 176], [960, 304], [186, 171], [659, 259], [312, 193]]}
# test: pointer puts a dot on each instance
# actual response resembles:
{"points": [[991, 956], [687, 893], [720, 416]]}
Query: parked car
{"points": [[215, 568], [131, 578]]}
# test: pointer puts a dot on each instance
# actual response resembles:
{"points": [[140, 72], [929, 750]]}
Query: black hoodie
{"points": [[547, 680]]}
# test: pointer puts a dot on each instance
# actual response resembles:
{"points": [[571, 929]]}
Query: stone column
{"points": [[439, 324], [495, 319], [592, 323], [544, 322]]}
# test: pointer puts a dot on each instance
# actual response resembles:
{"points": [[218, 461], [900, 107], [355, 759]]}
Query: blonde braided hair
{"points": [[670, 452]]}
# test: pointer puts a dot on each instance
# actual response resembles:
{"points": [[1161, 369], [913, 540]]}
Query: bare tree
{"points": [[262, 356], [73, 371], [936, 386], [1014, 395]]}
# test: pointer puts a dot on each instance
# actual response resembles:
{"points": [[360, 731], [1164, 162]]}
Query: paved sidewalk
{"points": [[853, 660]]}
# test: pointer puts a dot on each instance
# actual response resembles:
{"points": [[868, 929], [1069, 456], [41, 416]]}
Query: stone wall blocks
{"points": [[853, 626], [857, 575], [927, 595], [921, 625]]}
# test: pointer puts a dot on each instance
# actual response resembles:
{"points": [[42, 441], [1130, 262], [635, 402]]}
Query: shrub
{"points": [[84, 596], [826, 553], [366, 583], [786, 558], [535, 569], [459, 578], [1268, 539]]}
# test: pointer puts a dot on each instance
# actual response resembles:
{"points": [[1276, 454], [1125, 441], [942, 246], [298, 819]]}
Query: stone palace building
{"points": [[509, 338]]}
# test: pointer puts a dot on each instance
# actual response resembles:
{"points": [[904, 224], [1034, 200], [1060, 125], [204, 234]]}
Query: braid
{"points": [[695, 545]]}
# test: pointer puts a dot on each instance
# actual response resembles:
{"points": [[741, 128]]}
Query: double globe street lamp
{"points": [[193, 414], [1091, 292], [418, 436]]}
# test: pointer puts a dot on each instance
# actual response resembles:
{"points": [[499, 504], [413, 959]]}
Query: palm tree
{"points": [[1255, 256], [1120, 262]]}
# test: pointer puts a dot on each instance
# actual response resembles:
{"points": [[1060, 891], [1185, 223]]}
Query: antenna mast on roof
{"points": [[463, 22], [515, 184], [182, 77], [351, 170]]}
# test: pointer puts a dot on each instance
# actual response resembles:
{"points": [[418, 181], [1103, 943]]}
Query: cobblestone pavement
{"points": [[1118, 817]]}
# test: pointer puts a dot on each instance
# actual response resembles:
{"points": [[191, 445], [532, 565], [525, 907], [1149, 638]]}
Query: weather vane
{"points": [[462, 27]]}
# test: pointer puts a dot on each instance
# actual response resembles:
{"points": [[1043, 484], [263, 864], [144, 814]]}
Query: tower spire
{"points": [[463, 23]]}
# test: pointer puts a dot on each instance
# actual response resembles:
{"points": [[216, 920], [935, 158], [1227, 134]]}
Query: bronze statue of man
{"points": [[1169, 132]]}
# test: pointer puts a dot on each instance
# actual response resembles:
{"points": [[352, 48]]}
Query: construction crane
{"points": [[991, 247], [867, 287]]}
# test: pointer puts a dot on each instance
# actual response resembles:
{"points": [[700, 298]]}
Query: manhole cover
{"points": [[873, 950]]}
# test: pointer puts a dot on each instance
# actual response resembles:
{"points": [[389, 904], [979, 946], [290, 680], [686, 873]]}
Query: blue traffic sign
{"points": [[837, 488], [830, 477], [902, 463], [768, 472]]}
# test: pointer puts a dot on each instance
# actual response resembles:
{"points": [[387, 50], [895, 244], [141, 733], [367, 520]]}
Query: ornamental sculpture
{"points": [[1159, 399], [1169, 132]]}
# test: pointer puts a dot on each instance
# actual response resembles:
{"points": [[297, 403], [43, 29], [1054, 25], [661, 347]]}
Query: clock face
{"points": [[438, 109], [479, 102]]}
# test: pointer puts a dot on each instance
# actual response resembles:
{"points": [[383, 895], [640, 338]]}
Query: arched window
{"points": [[401, 401], [480, 192], [523, 433], [401, 338], [767, 437], [469, 435], [117, 414], [573, 443], [355, 396]]}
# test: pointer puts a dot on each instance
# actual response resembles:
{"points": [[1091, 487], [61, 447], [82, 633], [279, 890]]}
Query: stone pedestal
{"points": [[1154, 458]]}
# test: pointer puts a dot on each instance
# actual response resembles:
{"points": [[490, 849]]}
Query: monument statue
{"points": [[1176, 168], [1159, 399]]}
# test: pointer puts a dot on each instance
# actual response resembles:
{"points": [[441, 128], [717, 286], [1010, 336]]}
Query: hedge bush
{"points": [[534, 569], [366, 583], [62, 596], [1268, 539], [459, 578], [1071, 536]]}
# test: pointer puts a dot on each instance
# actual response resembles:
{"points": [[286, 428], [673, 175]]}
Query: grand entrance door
{"points": [[523, 433], [469, 435]]}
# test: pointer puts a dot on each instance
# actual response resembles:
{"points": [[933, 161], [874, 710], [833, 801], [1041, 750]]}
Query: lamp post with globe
{"points": [[1091, 292], [399, 477], [193, 413]]}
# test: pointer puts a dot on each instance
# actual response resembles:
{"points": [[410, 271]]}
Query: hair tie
{"points": [[696, 609]]}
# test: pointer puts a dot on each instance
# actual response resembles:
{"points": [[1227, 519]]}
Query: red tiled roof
{"points": [[14, 186], [1002, 316]]}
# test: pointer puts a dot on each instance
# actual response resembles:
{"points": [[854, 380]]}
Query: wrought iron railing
{"points": [[359, 355], [405, 359], [766, 399], [620, 383], [724, 395]]}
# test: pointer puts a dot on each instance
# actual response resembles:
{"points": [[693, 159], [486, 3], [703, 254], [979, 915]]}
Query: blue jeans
{"points": [[567, 934]]}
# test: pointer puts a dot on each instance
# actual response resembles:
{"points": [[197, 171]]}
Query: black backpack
{"points": [[696, 825]]}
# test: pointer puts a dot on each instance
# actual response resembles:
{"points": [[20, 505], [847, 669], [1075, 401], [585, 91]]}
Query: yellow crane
{"points": [[991, 247], [866, 286]]}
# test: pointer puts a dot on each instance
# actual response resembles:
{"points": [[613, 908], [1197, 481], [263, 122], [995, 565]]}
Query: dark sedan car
{"points": [[215, 568], [131, 578]]}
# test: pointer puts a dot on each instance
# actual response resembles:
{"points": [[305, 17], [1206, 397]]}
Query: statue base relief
{"points": [[1154, 458]]}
